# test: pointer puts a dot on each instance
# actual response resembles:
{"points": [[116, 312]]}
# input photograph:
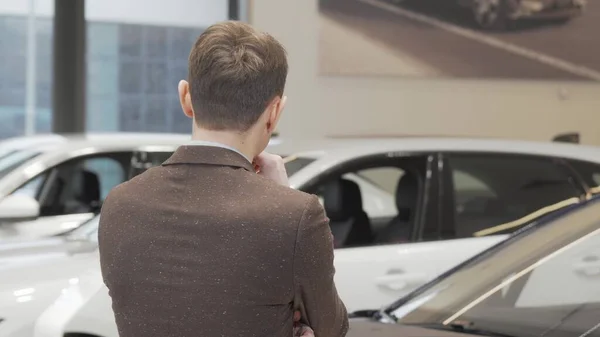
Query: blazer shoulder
{"points": [[287, 193]]}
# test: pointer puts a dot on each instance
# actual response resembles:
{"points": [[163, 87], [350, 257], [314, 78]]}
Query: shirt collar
{"points": [[217, 144], [209, 155]]}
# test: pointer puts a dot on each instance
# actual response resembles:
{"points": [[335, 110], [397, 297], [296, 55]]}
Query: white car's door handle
{"points": [[399, 280], [590, 266]]}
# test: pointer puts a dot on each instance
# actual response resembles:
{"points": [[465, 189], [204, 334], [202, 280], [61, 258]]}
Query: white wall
{"points": [[393, 105], [189, 13]]}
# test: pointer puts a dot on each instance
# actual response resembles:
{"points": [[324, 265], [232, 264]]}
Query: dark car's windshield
{"points": [[10, 160], [545, 283]]}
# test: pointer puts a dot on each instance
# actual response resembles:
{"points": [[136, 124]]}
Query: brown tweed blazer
{"points": [[203, 246]]}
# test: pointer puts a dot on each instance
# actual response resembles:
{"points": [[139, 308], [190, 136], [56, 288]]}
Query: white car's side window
{"points": [[378, 189], [390, 198], [32, 187], [492, 192], [109, 172], [377, 201]]}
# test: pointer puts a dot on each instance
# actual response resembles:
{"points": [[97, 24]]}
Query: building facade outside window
{"points": [[134, 62]]}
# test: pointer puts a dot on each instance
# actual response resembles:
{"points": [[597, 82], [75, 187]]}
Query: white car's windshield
{"points": [[293, 164], [545, 282], [10, 160]]}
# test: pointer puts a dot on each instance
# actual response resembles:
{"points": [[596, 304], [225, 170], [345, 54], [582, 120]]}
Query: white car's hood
{"points": [[28, 287]]}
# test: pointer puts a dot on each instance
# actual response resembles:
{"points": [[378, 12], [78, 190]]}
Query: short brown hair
{"points": [[234, 73]]}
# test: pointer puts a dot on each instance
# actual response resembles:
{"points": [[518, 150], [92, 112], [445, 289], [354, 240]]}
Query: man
{"points": [[214, 242]]}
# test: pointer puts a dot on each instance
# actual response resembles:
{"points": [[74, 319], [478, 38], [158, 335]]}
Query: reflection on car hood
{"points": [[13, 251], [29, 287], [368, 328]]}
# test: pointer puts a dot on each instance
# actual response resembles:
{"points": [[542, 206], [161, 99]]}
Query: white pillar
{"points": [[30, 82]]}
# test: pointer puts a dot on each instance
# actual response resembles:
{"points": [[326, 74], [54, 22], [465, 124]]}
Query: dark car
{"points": [[543, 281], [499, 14]]}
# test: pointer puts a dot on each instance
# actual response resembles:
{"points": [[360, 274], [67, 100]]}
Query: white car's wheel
{"points": [[491, 14]]}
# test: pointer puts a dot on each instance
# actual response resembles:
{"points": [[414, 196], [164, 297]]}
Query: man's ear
{"points": [[185, 99], [275, 113]]}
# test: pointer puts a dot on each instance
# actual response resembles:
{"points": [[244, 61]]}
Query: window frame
{"points": [[447, 182], [580, 169]]}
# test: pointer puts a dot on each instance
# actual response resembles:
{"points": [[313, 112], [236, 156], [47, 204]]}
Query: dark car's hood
{"points": [[368, 328]]}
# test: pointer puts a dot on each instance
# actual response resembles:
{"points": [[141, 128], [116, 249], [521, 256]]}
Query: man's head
{"points": [[235, 82]]}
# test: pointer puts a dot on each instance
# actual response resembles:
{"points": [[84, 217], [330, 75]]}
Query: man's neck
{"points": [[231, 139]]}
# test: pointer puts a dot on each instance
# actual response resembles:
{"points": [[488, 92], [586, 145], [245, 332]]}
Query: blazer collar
{"points": [[208, 155]]}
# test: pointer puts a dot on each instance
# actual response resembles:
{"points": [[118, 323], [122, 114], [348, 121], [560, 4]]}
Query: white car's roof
{"points": [[337, 149], [65, 143]]}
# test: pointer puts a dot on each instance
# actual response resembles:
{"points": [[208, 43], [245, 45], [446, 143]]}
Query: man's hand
{"points": [[271, 166], [301, 330]]}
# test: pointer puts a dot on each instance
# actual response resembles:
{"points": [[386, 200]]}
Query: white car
{"points": [[452, 198], [51, 184]]}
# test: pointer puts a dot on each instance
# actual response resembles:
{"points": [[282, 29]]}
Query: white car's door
{"points": [[43, 227], [370, 277]]}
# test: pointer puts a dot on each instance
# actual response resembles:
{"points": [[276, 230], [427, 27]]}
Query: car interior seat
{"points": [[400, 227], [349, 223], [86, 198]]}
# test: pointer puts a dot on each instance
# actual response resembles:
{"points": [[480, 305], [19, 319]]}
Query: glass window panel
{"points": [[130, 40], [43, 120], [44, 38], [102, 39], [43, 69], [43, 97], [10, 124], [156, 42], [130, 117], [130, 77], [14, 66], [156, 119], [12, 97], [14, 35], [156, 77], [181, 42], [177, 72], [104, 79], [180, 122], [103, 112]]}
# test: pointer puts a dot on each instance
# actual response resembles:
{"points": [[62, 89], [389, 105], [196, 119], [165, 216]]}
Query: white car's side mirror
{"points": [[14, 208]]}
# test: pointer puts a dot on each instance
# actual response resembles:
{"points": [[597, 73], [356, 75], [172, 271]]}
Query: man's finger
{"points": [[307, 332]]}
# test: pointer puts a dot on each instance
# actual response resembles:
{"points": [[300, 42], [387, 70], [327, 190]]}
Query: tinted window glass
{"points": [[390, 191], [109, 172], [295, 164], [375, 187], [490, 191], [81, 185], [141, 161], [589, 172]]}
